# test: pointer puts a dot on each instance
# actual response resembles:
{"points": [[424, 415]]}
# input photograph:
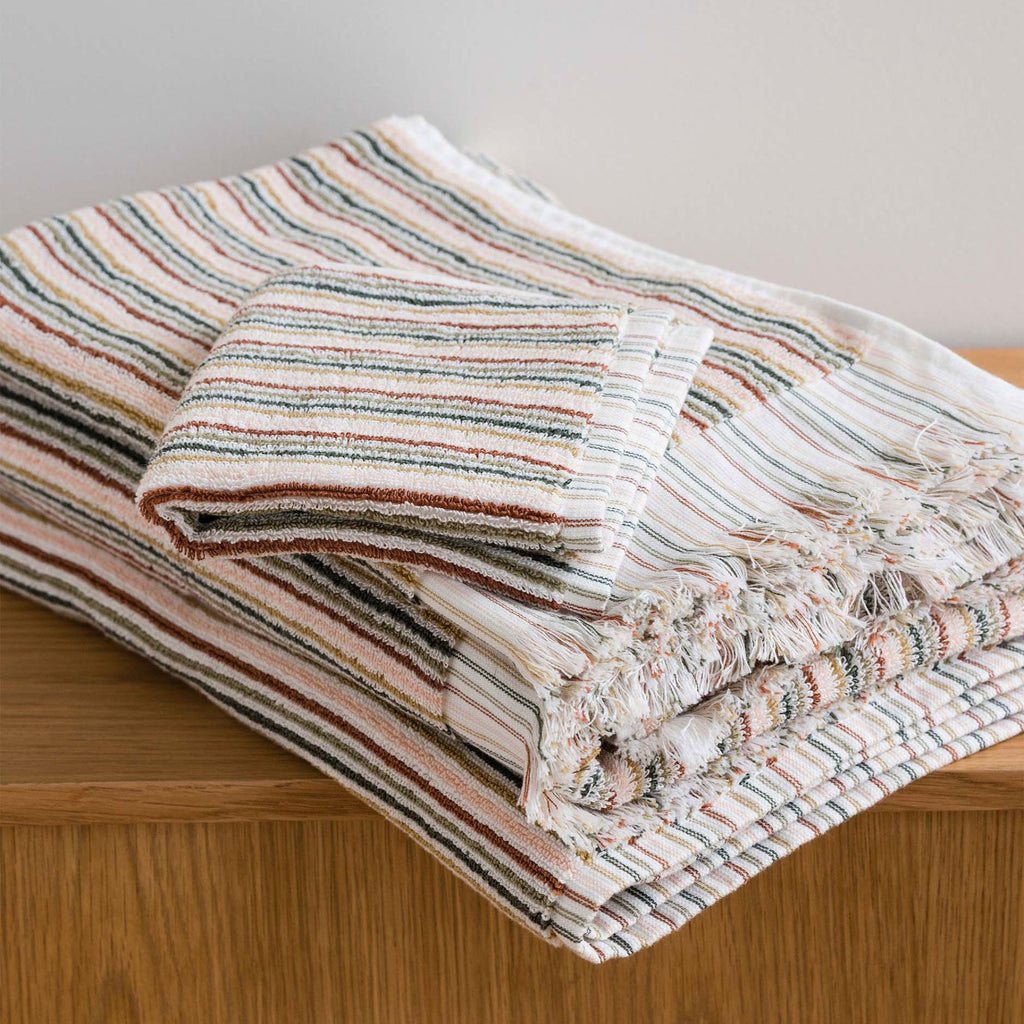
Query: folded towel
{"points": [[803, 592], [811, 528], [424, 420]]}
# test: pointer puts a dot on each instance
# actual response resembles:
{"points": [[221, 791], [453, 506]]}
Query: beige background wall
{"points": [[871, 151]]}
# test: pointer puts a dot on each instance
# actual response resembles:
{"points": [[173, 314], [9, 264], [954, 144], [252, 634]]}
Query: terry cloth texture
{"points": [[813, 597], [420, 419]]}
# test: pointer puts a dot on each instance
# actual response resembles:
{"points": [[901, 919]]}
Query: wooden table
{"points": [[163, 863]]}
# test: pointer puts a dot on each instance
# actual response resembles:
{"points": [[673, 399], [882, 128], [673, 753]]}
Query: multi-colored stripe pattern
{"points": [[419, 419], [815, 600]]}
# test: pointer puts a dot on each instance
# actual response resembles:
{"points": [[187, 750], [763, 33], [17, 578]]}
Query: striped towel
{"points": [[802, 590], [424, 420]]}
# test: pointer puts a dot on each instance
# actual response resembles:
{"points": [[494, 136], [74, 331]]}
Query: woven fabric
{"points": [[418, 419], [812, 598]]}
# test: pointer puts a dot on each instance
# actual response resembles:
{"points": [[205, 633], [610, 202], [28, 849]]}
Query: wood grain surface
{"points": [[162, 863], [903, 918]]}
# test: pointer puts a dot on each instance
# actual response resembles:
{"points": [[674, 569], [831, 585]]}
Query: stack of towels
{"points": [[610, 576]]}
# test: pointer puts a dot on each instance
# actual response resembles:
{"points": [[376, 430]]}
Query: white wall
{"points": [[872, 151]]}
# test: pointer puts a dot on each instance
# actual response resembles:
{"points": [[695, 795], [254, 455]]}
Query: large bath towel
{"points": [[801, 593]]}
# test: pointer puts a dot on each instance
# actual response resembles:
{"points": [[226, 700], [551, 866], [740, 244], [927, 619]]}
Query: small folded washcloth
{"points": [[415, 418]]}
